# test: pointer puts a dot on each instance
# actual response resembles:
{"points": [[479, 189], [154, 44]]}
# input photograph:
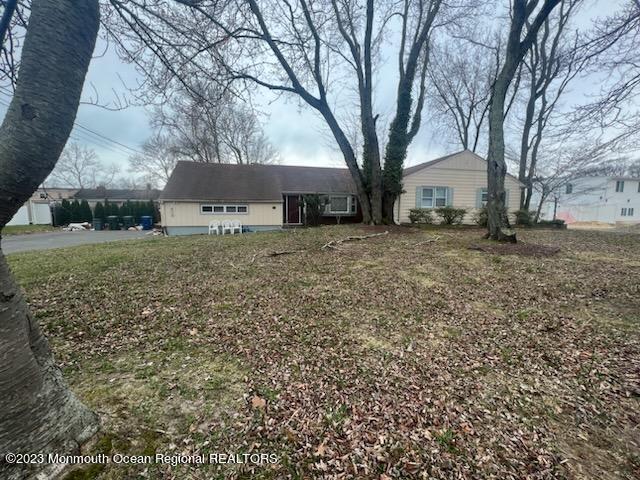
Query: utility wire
{"points": [[101, 140]]}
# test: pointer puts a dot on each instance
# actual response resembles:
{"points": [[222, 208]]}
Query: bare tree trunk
{"points": [[5, 22], [404, 127], [498, 221], [38, 413], [396, 151], [533, 163], [351, 161], [524, 141], [371, 147], [536, 219], [543, 197], [528, 194]]}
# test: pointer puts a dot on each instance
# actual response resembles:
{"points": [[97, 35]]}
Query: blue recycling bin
{"points": [[147, 222]]}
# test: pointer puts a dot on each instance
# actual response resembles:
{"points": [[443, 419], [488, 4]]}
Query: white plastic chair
{"points": [[236, 225], [226, 226], [214, 227]]}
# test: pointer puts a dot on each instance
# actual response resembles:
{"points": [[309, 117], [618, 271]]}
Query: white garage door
{"points": [[41, 213]]}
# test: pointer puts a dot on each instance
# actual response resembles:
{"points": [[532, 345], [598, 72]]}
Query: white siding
{"points": [[21, 217], [187, 214], [464, 173], [594, 199], [31, 212]]}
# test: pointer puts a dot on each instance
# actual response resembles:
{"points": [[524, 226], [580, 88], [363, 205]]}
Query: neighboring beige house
{"points": [[458, 180]]}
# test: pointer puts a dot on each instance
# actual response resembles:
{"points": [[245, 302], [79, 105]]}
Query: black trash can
{"points": [[97, 224], [112, 221]]}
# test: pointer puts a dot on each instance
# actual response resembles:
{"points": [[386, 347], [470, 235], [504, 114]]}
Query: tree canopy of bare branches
{"points": [[80, 167], [221, 129], [551, 63], [13, 24], [462, 75], [156, 161], [612, 52], [323, 53]]}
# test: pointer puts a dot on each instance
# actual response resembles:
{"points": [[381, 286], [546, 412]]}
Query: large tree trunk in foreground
{"points": [[38, 413]]}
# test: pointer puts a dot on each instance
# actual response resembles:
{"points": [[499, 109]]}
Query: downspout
{"points": [[29, 212]]}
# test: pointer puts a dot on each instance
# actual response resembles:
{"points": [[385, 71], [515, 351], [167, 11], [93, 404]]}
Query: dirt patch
{"points": [[520, 248]]}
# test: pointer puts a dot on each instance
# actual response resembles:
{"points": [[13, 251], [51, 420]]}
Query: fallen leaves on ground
{"points": [[394, 357]]}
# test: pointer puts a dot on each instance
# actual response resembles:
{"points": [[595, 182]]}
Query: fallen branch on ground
{"points": [[431, 240], [283, 252], [335, 243], [331, 244]]}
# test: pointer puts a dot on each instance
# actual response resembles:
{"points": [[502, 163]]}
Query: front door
{"points": [[293, 208]]}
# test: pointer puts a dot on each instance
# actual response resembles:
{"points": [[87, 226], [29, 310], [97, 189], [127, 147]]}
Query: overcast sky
{"points": [[295, 130]]}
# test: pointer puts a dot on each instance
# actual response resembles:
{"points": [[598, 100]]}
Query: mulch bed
{"points": [[520, 248]]}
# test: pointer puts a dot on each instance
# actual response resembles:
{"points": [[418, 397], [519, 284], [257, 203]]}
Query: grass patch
{"points": [[25, 229], [447, 439], [343, 362]]}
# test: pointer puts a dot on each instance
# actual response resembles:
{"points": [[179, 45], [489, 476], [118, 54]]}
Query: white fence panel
{"points": [[21, 217]]}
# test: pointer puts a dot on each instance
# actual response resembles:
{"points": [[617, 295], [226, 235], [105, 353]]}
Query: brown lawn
{"points": [[407, 355]]}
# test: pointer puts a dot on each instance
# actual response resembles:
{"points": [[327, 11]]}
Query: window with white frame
{"points": [[620, 186], [433, 197], [223, 209], [627, 212], [623, 212], [339, 204], [484, 197], [568, 188]]}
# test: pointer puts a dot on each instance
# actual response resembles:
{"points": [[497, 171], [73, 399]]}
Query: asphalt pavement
{"points": [[49, 240]]}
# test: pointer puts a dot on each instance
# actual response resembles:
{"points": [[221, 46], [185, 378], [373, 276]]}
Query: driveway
{"points": [[46, 241]]}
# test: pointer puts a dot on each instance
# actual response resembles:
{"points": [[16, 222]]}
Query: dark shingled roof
{"points": [[259, 183], [101, 193]]}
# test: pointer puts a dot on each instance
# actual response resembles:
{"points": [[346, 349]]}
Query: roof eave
{"points": [[219, 200]]}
